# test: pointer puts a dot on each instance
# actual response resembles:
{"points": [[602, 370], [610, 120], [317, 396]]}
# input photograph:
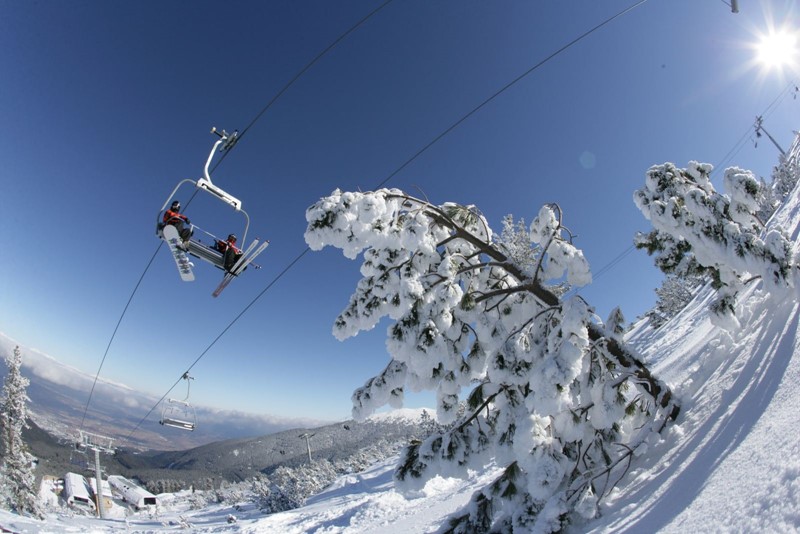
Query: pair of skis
{"points": [[184, 265], [244, 260]]}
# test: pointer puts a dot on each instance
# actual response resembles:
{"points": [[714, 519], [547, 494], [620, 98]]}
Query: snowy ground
{"points": [[367, 503], [731, 464], [364, 502]]}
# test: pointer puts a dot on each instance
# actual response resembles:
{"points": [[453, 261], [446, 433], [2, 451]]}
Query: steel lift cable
{"points": [[397, 171], [255, 119]]}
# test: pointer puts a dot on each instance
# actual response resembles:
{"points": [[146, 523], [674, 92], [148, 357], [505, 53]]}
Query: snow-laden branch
{"points": [[548, 387], [699, 231]]}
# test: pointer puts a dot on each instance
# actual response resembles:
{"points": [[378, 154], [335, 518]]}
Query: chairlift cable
{"points": [[290, 83], [303, 71], [257, 117], [508, 86], [224, 331], [781, 96], [613, 263], [740, 143], [392, 175], [733, 151], [113, 335], [162, 399], [604, 269]]}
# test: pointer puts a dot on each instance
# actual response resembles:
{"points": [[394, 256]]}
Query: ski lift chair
{"points": [[196, 248], [179, 413]]}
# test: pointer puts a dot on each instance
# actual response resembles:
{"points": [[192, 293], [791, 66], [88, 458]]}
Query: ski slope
{"points": [[730, 464]]}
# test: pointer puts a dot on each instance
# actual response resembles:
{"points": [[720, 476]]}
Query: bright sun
{"points": [[777, 49]]}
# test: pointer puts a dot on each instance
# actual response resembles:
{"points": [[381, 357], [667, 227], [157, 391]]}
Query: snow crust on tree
{"points": [[19, 492], [551, 393], [700, 231]]}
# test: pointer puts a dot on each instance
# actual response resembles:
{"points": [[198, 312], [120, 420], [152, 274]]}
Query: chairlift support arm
{"points": [[227, 141], [188, 386], [180, 413], [205, 183]]}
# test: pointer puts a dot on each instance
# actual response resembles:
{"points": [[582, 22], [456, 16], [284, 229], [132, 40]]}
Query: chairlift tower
{"points": [[760, 128], [98, 444], [308, 444]]}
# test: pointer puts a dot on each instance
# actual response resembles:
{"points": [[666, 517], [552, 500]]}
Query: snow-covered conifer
{"points": [[515, 242], [700, 231], [786, 174], [20, 494], [615, 324], [548, 390], [784, 179], [673, 296]]}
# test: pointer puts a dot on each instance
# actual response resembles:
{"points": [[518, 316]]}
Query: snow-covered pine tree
{"points": [[20, 494], [674, 294], [700, 231], [515, 242], [784, 179], [553, 398], [428, 425], [786, 173]]}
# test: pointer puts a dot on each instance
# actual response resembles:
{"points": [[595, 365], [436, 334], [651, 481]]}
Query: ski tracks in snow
{"points": [[364, 502], [727, 384]]}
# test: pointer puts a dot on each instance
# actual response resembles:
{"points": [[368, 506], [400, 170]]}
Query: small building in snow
{"points": [[77, 492], [131, 493]]}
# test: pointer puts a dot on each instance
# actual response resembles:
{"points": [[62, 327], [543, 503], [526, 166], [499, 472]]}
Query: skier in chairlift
{"points": [[174, 217], [230, 252]]}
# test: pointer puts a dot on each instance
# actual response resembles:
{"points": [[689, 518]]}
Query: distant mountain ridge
{"points": [[59, 394], [233, 460], [236, 460], [227, 445]]}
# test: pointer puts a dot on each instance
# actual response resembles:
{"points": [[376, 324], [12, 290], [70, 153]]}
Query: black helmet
{"points": [[232, 237], [176, 205]]}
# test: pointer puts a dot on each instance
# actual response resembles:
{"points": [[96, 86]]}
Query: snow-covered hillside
{"points": [[730, 464]]}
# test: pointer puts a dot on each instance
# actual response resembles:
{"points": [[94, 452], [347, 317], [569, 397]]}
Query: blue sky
{"points": [[106, 106]]}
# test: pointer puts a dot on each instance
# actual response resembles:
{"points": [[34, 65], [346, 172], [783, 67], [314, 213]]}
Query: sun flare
{"points": [[777, 49]]}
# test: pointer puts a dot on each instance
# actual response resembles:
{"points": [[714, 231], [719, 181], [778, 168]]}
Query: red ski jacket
{"points": [[222, 246], [169, 215]]}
